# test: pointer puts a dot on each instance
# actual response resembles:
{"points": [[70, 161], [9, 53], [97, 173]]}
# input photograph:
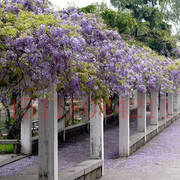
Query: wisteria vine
{"points": [[76, 51]]}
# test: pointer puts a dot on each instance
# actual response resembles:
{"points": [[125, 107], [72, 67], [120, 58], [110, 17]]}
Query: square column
{"points": [[26, 124], [162, 106], [141, 112], [175, 102], [124, 136], [154, 108], [48, 137], [170, 104], [61, 111], [96, 131], [85, 109], [178, 99], [135, 98]]}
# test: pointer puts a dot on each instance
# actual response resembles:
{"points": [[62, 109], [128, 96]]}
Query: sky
{"points": [[80, 3]]}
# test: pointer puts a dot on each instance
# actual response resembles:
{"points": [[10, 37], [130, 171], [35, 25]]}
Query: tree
{"points": [[151, 27], [89, 9], [101, 6], [124, 21], [135, 4], [171, 11]]}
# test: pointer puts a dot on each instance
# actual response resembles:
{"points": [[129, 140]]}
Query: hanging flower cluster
{"points": [[119, 67]]}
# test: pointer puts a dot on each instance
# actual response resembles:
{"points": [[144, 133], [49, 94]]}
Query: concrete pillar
{"points": [[26, 124], [124, 136], [135, 98], [175, 102], [178, 99], [170, 104], [104, 113], [85, 109], [96, 131], [116, 100], [48, 141], [61, 111], [141, 112], [154, 108], [163, 106]]}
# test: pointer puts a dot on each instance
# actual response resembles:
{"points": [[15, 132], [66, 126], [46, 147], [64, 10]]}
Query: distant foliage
{"points": [[151, 28]]}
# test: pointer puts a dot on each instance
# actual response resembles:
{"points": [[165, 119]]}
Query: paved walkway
{"points": [[5, 157], [158, 159], [9, 158]]}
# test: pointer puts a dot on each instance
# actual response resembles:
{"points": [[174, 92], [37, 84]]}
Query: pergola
{"points": [[48, 130]]}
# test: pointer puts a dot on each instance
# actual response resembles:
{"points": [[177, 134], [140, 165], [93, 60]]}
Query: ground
{"points": [[159, 159]]}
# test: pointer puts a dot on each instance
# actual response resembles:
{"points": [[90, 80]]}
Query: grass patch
{"points": [[6, 148]]}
